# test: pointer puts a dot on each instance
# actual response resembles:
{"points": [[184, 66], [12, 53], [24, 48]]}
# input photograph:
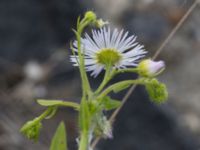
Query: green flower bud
{"points": [[150, 68], [100, 23], [32, 129], [90, 16], [157, 91]]}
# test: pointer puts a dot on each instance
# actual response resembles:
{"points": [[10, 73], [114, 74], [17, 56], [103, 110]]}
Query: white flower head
{"points": [[105, 47]]}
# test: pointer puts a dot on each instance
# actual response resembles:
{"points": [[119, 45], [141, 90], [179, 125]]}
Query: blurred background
{"points": [[34, 63]]}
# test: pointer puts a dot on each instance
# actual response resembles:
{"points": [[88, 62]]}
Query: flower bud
{"points": [[100, 23], [150, 68], [90, 16], [32, 129], [157, 91]]}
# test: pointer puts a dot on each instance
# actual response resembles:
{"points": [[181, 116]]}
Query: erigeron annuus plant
{"points": [[115, 52]]}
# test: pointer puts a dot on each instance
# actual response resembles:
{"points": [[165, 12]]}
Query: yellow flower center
{"points": [[108, 56]]}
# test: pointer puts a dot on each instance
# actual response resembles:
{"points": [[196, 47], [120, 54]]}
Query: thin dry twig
{"points": [[158, 51]]}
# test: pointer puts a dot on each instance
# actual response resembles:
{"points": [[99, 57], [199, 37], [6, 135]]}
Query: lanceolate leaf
{"points": [[44, 102], [59, 141], [49, 102], [110, 103], [106, 103]]}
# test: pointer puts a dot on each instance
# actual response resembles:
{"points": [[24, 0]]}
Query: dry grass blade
{"points": [[158, 51]]}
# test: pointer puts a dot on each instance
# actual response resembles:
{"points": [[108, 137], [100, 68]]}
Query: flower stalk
{"points": [[108, 75]]}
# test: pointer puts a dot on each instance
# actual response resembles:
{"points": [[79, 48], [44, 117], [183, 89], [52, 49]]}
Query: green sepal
{"points": [[157, 91], [59, 140], [110, 104]]}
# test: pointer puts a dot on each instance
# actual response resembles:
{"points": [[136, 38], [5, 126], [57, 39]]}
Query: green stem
{"points": [[108, 75], [83, 145], [44, 114], [85, 83], [84, 121], [134, 70], [83, 114], [125, 83]]}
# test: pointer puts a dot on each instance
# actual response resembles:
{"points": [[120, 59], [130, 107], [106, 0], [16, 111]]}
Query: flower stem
{"points": [[84, 141], [45, 114], [84, 122], [125, 83], [84, 116], [134, 70], [108, 74], [84, 78]]}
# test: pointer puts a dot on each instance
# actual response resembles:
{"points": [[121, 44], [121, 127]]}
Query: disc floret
{"points": [[108, 56]]}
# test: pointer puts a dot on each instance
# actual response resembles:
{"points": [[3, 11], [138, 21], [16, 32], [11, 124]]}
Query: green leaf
{"points": [[59, 141], [120, 87], [110, 103], [49, 102]]}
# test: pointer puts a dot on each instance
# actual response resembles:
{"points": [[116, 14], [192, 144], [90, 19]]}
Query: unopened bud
{"points": [[157, 91], [90, 16], [32, 129], [100, 23], [150, 68]]}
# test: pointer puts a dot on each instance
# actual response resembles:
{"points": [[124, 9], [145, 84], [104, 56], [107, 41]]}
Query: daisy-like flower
{"points": [[108, 48]]}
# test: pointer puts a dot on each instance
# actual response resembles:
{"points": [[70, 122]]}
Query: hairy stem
{"points": [[84, 141], [117, 85], [108, 75]]}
